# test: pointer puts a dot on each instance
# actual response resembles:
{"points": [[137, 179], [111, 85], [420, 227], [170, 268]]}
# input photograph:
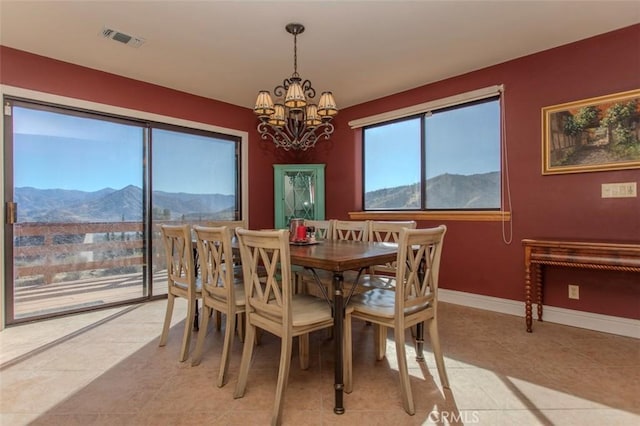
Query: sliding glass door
{"points": [[85, 195]]}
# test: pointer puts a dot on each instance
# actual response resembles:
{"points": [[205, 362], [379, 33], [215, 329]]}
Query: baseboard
{"points": [[598, 322]]}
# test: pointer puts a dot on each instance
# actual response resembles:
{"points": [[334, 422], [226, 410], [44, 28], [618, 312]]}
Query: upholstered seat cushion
{"points": [[184, 285], [238, 288], [381, 303], [309, 310]]}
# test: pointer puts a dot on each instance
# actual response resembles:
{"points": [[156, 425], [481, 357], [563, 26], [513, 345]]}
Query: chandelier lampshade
{"points": [[312, 119], [294, 121], [264, 104], [295, 99], [277, 119], [327, 106]]}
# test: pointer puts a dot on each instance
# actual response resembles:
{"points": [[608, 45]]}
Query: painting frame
{"points": [[592, 135]]}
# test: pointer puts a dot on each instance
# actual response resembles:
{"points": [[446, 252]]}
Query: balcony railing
{"points": [[73, 266], [48, 249]]}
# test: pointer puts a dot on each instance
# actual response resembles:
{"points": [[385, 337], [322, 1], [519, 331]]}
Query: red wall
{"points": [[25, 70], [475, 258]]}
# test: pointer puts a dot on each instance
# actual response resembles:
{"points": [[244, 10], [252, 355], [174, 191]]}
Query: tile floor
{"points": [[105, 368]]}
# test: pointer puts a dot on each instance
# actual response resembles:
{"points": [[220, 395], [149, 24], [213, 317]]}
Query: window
{"points": [[441, 159]]}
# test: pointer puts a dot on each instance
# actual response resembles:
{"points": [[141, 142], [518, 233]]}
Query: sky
{"points": [[462, 141], [54, 150], [68, 152]]}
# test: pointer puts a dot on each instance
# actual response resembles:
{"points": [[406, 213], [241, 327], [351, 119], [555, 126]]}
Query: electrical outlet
{"points": [[574, 291]]}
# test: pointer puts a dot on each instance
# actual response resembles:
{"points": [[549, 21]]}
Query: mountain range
{"points": [[115, 205], [446, 191]]}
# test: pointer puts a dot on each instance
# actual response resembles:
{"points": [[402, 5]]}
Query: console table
{"points": [[612, 256]]}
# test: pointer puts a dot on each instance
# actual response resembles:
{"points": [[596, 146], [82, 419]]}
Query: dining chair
{"points": [[414, 301], [233, 225], [382, 276], [354, 230], [271, 305], [181, 280], [384, 231], [324, 228], [357, 230], [222, 289]]}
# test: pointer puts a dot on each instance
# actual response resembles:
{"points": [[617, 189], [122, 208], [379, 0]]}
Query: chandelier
{"points": [[294, 121]]}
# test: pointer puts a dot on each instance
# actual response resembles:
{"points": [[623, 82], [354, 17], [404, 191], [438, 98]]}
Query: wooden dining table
{"points": [[339, 256]]}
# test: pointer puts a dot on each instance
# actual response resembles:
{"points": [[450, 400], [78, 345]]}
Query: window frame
{"points": [[421, 112]]}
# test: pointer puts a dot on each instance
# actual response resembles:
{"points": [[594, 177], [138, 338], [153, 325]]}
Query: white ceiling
{"points": [[361, 50]]}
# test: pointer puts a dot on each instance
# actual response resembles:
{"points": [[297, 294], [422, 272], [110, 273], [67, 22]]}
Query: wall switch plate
{"points": [[620, 190], [574, 291]]}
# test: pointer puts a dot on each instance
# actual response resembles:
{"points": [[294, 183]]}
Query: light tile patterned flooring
{"points": [[105, 368]]}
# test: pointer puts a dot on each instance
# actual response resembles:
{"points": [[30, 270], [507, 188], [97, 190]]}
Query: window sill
{"points": [[477, 216]]}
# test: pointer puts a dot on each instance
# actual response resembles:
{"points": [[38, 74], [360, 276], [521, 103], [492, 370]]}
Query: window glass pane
{"points": [[81, 157], [194, 177], [78, 239], [392, 165], [462, 157]]}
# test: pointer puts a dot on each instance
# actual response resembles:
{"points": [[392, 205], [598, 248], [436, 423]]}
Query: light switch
{"points": [[620, 190]]}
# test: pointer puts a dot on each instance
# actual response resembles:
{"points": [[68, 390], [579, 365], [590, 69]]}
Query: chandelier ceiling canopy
{"points": [[294, 121]]}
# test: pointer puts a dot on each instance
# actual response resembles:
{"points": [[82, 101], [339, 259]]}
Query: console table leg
{"points": [[527, 296], [538, 272]]}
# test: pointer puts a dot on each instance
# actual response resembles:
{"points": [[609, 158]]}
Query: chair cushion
{"points": [[184, 285], [378, 302], [219, 294], [308, 310], [381, 302]]}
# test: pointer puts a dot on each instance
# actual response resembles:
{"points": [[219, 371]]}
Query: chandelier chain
{"points": [[295, 54]]}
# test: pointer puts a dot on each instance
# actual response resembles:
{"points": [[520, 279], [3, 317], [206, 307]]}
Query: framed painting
{"points": [[592, 135]]}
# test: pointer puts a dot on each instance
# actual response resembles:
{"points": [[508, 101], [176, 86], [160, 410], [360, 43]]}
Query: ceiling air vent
{"points": [[121, 37]]}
